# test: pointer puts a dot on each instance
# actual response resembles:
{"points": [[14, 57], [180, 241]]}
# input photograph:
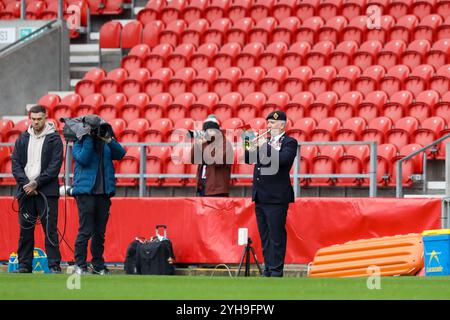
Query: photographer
{"points": [[214, 155], [94, 185], [36, 161]]}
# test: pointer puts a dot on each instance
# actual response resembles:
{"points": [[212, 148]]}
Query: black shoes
{"points": [[102, 272], [22, 270], [56, 270]]}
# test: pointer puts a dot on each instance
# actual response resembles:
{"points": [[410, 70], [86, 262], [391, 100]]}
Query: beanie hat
{"points": [[211, 122]]}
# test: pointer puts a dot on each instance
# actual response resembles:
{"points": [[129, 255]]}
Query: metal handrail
{"points": [[399, 186], [47, 25]]}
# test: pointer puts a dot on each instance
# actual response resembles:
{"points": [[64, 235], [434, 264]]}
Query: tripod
{"points": [[246, 255]]}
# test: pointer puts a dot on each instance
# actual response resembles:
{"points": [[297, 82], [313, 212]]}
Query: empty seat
{"points": [[5, 126], [377, 129], [440, 82], [273, 81], [226, 57], [217, 9], [172, 11], [157, 107], [370, 79], [415, 53], [367, 53], [172, 33], [227, 80], [250, 106], [398, 8], [326, 129], [239, 31], [442, 108], [131, 34], [49, 101], [118, 125], [136, 57], [194, 10], [226, 107], [239, 9], [276, 101], [151, 12], [217, 31], [34, 10], [66, 107], [111, 107], [393, 80], [157, 58], [419, 78], [422, 107], [428, 132], [250, 80], [110, 34], [309, 29], [397, 105], [318, 56], [325, 162], [180, 57], [385, 155], [135, 130], [333, 28], [391, 53], [345, 79], [329, 9], [352, 162], [343, 54], [203, 82], [351, 129], [150, 34], [180, 81], [194, 33], [200, 109], [428, 27], [302, 128], [321, 107], [262, 32], [203, 56], [158, 82], [404, 27], [180, 106], [423, 8], [286, 30], [439, 53], [88, 85], [90, 105], [297, 81], [271, 57], [134, 108], [135, 82], [356, 29], [112, 83], [402, 132], [443, 30], [306, 9], [295, 55], [321, 80], [299, 104], [158, 131], [249, 56], [381, 33], [347, 105], [372, 105], [261, 9], [409, 167]]}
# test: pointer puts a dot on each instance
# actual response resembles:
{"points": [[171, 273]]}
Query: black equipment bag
{"points": [[151, 257]]}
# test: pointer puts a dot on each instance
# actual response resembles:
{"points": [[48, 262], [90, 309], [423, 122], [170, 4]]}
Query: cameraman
{"points": [[94, 185]]}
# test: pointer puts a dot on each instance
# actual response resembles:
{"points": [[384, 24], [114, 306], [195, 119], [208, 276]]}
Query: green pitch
{"points": [[39, 286]]}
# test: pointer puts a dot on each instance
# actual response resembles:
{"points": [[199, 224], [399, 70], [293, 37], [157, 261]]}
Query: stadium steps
{"points": [[83, 57]]}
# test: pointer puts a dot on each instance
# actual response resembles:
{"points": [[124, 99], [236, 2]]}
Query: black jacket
{"points": [[51, 161], [274, 187]]}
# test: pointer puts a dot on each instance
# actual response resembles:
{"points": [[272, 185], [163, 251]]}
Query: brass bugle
{"points": [[260, 136]]}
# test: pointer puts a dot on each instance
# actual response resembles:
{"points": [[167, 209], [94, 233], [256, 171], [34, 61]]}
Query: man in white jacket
{"points": [[36, 162]]}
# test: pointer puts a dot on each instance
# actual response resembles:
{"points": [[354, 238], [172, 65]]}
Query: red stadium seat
{"points": [[67, 106], [295, 55], [351, 129], [134, 108], [180, 57], [239, 31], [89, 84], [194, 33], [329, 9], [110, 34], [151, 12], [403, 29], [372, 105], [369, 81], [399, 8], [343, 54], [136, 57], [135, 82], [135, 130], [302, 128], [113, 7], [283, 9], [419, 78], [226, 56], [180, 106], [326, 129], [158, 82], [391, 53], [226, 107], [345, 79], [318, 56], [428, 28], [150, 34], [200, 109], [394, 79], [286, 30], [227, 80], [442, 108], [441, 81], [5, 126], [112, 83], [377, 129], [251, 106], [366, 56], [309, 29], [172, 33], [402, 132], [271, 57], [118, 126], [347, 105], [180, 81], [194, 10], [276, 101], [356, 29], [443, 30], [307, 9], [49, 101], [439, 53], [397, 105], [321, 80], [409, 167], [352, 162], [262, 32], [273, 81], [232, 124], [423, 105], [203, 56], [131, 34], [90, 105], [217, 9], [203, 82], [258, 124], [35, 9], [110, 109], [239, 9], [321, 107], [217, 31], [172, 11], [297, 80], [325, 162], [422, 8], [353, 8], [385, 155], [157, 107], [261, 9], [299, 104], [158, 57], [158, 131], [428, 132], [333, 28], [415, 53], [249, 82], [249, 55]]}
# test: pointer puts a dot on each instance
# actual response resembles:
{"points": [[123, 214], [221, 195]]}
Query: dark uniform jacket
{"points": [[274, 188], [51, 161]]}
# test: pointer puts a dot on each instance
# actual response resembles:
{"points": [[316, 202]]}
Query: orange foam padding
{"points": [[394, 256]]}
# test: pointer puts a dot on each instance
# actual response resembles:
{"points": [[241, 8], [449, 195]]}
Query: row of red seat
{"points": [[115, 35], [213, 10], [279, 54]]}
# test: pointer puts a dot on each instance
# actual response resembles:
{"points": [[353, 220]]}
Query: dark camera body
{"points": [[103, 131]]}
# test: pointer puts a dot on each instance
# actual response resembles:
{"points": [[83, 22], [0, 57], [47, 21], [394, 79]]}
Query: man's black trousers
{"points": [[93, 214], [271, 219], [31, 209]]}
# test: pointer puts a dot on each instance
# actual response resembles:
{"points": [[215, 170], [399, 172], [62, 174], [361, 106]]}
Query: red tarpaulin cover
{"points": [[205, 230]]}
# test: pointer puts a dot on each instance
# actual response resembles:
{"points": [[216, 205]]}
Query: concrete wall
{"points": [[32, 68]]}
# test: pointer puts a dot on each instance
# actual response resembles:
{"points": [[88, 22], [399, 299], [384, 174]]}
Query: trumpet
{"points": [[251, 144]]}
